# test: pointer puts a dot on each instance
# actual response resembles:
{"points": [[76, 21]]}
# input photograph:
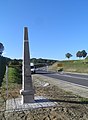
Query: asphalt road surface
{"points": [[80, 79]]}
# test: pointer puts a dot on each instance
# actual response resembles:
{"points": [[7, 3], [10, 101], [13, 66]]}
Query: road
{"points": [[79, 79]]}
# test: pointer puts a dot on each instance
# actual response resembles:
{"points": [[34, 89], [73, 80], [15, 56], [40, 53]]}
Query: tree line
{"points": [[79, 54], [18, 62]]}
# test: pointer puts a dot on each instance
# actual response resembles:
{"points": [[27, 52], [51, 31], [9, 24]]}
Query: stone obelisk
{"points": [[27, 91]]}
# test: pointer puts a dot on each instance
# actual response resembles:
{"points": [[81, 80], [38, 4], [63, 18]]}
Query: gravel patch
{"points": [[69, 106], [67, 86]]}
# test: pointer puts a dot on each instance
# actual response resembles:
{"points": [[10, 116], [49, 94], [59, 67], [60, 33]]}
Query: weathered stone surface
{"points": [[27, 91]]}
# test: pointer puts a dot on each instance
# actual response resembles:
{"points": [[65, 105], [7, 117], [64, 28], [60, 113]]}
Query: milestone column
{"points": [[27, 91]]}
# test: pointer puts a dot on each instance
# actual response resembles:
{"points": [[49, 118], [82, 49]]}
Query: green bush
{"points": [[14, 78], [2, 68]]}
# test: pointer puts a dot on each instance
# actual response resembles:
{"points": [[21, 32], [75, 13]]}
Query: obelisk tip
{"points": [[25, 33]]}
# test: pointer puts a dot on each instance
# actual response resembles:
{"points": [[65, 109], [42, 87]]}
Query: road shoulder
{"points": [[67, 86]]}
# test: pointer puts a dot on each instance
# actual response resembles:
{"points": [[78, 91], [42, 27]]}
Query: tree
{"points": [[14, 62], [84, 53], [68, 55], [79, 54], [1, 48]]}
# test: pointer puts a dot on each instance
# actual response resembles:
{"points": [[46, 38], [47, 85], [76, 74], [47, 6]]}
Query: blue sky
{"points": [[56, 27]]}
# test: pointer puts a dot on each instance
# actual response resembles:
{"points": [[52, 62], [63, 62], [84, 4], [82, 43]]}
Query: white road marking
{"points": [[72, 76]]}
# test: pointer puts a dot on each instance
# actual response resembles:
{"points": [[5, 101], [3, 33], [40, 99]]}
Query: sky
{"points": [[55, 27]]}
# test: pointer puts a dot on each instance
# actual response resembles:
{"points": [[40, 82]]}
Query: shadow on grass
{"points": [[64, 101], [69, 101]]}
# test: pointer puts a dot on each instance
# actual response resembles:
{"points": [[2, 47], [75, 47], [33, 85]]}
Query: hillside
{"points": [[80, 66]]}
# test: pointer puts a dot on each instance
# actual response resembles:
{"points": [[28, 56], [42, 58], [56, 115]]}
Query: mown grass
{"points": [[82, 99], [14, 82], [14, 75], [80, 66], [14, 86], [76, 66]]}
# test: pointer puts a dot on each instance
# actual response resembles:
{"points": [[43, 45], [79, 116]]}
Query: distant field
{"points": [[80, 66]]}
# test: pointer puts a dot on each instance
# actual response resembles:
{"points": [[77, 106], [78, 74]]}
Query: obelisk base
{"points": [[27, 96]]}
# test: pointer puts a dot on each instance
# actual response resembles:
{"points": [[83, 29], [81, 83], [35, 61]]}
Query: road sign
{"points": [[59, 65]]}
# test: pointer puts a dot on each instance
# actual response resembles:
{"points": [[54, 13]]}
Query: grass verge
{"points": [[79, 66]]}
